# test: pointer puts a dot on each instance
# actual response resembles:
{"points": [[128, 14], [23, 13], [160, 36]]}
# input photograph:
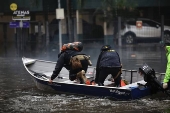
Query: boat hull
{"points": [[89, 90], [129, 92]]}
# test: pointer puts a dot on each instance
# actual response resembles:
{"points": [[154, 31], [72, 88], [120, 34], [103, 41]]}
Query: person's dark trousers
{"points": [[72, 77], [105, 71]]}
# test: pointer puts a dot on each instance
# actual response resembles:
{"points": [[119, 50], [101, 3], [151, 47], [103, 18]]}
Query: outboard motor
{"points": [[149, 76]]}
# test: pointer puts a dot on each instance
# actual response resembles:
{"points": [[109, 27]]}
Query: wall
{"points": [[10, 31]]}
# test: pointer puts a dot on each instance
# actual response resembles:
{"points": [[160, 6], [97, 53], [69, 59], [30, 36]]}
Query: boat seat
{"points": [[64, 78], [133, 84], [108, 83], [29, 61], [48, 74]]}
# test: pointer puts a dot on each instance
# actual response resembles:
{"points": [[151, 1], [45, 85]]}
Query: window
{"points": [[150, 23], [131, 22]]}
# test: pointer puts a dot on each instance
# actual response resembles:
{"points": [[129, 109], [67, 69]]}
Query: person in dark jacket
{"points": [[73, 60], [108, 63]]}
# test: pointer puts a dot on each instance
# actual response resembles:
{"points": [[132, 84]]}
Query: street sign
{"points": [[21, 15], [59, 13], [19, 25], [14, 24], [139, 24], [21, 18], [26, 24]]}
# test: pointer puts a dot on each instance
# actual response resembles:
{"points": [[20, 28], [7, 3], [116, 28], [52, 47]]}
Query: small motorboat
{"points": [[41, 71]]}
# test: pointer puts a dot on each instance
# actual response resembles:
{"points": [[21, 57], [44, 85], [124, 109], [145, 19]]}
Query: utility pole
{"points": [[45, 7], [60, 29], [119, 30], [69, 13], [162, 28]]}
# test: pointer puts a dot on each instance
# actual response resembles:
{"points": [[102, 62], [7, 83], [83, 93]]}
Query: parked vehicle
{"points": [[143, 29]]}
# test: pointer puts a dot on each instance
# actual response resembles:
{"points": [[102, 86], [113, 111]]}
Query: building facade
{"points": [[80, 23]]}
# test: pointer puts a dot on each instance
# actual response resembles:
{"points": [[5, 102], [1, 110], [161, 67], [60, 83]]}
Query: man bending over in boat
{"points": [[73, 60], [108, 63]]}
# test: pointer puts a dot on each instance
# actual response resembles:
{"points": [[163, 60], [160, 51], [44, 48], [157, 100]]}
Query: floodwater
{"points": [[18, 93]]}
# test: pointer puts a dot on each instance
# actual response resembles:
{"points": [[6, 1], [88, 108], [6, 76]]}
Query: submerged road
{"points": [[18, 93]]}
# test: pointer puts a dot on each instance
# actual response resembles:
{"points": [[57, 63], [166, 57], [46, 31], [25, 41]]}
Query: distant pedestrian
{"points": [[108, 63]]}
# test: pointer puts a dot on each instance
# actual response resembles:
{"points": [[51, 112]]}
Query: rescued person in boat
{"points": [[108, 63], [166, 81], [74, 61]]}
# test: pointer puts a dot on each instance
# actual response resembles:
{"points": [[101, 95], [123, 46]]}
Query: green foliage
{"points": [[34, 3], [80, 4], [111, 9]]}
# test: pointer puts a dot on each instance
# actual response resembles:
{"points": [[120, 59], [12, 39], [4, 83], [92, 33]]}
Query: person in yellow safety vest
{"points": [[166, 81]]}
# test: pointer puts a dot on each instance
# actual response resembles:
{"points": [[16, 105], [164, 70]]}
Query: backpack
{"points": [[75, 62]]}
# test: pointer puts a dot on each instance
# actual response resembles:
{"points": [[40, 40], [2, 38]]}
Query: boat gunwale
{"points": [[43, 78]]}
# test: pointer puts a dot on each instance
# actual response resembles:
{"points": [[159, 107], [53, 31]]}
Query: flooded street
{"points": [[18, 93]]}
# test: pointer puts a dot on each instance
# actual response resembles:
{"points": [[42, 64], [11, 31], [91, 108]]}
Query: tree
{"points": [[34, 3], [111, 9], [80, 4]]}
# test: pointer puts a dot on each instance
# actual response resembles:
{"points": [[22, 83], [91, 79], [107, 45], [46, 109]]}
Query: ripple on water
{"points": [[77, 104]]}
